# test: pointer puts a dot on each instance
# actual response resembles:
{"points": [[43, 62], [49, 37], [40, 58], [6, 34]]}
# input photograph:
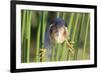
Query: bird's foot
{"points": [[42, 52]]}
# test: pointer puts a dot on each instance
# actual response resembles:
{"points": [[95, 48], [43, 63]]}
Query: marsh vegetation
{"points": [[34, 25]]}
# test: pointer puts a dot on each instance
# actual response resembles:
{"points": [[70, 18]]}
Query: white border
{"points": [[20, 65]]}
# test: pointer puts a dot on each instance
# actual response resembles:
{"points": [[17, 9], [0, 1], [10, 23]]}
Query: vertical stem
{"points": [[64, 15], [69, 29], [82, 24], [29, 14], [38, 38], [63, 50], [23, 12], [23, 24], [58, 51], [78, 35], [57, 45], [44, 17], [74, 31], [71, 21], [25, 49], [53, 54], [83, 17], [64, 45], [85, 41], [25, 35], [68, 55]]}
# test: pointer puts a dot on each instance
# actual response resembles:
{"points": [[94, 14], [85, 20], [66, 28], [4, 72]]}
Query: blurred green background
{"points": [[34, 25]]}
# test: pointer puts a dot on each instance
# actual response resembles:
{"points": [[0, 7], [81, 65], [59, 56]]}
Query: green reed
{"points": [[44, 22], [64, 44], [86, 34], [25, 35], [77, 37], [29, 14], [60, 51], [38, 38], [23, 24], [69, 30]]}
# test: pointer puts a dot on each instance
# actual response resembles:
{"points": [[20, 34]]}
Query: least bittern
{"points": [[57, 34]]}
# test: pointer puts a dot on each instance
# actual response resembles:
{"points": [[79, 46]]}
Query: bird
{"points": [[57, 33]]}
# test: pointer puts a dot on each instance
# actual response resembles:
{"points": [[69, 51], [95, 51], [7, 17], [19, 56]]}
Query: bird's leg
{"points": [[70, 47]]}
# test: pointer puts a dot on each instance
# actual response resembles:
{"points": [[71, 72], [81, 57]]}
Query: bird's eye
{"points": [[53, 29]]}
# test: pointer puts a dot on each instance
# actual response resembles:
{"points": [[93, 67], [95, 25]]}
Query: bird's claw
{"points": [[70, 46], [42, 52]]}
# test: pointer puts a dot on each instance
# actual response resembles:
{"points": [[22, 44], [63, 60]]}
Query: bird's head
{"points": [[58, 32]]}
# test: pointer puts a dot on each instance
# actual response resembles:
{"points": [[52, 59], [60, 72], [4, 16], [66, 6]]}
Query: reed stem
{"points": [[69, 30], [86, 33], [64, 45], [63, 51], [38, 37], [77, 39], [58, 48], [23, 14], [44, 17], [75, 27], [53, 54], [29, 14], [23, 23], [70, 22]]}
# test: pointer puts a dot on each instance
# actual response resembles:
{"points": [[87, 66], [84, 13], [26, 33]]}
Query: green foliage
{"points": [[86, 34], [78, 27], [26, 32], [38, 37]]}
